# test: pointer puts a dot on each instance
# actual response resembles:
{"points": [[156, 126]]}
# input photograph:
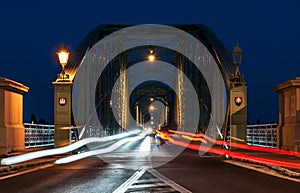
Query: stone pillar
{"points": [[288, 129], [62, 112], [12, 131], [238, 111]]}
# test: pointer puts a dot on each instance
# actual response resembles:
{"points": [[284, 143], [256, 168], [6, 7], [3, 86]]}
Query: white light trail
{"points": [[226, 146], [111, 148], [71, 147], [81, 133], [219, 132], [145, 147]]}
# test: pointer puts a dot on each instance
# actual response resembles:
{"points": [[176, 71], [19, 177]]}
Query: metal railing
{"points": [[262, 135], [37, 135]]}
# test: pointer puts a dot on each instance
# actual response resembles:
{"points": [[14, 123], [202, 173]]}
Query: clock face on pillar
{"points": [[238, 101]]}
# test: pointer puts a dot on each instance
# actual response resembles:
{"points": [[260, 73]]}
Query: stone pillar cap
{"points": [[14, 86], [290, 83]]}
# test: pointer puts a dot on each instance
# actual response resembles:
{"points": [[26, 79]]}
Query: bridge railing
{"points": [[262, 135], [38, 135]]}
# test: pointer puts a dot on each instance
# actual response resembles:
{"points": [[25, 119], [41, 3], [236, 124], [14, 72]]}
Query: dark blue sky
{"points": [[267, 31]]}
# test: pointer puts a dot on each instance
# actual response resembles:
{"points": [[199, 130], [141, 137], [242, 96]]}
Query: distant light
{"points": [[151, 99], [151, 56], [151, 108]]}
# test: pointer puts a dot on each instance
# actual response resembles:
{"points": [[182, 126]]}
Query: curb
{"points": [[9, 155], [4, 169], [16, 167], [284, 171]]}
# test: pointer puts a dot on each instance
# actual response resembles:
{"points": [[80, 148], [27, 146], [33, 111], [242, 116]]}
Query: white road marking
{"points": [[130, 181], [168, 181], [143, 186], [159, 183]]}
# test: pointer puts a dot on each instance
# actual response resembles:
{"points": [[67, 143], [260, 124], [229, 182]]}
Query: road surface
{"points": [[126, 171]]}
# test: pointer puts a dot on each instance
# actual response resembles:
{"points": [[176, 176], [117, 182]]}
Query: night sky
{"points": [[267, 31]]}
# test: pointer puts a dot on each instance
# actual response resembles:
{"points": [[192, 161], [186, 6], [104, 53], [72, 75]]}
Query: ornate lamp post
{"points": [[237, 55], [62, 102], [238, 101], [63, 57]]}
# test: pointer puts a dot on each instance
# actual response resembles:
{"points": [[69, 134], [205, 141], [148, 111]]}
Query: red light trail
{"points": [[233, 153]]}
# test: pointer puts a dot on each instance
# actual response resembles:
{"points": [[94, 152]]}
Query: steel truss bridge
{"points": [[174, 100]]}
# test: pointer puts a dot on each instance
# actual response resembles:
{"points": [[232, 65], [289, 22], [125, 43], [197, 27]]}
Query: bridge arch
{"points": [[202, 33], [105, 51]]}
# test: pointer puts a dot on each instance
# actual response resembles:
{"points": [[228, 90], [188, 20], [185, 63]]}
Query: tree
{"points": [[258, 121], [43, 122], [33, 118]]}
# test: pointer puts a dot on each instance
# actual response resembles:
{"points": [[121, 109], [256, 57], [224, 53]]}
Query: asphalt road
{"points": [[127, 171]]}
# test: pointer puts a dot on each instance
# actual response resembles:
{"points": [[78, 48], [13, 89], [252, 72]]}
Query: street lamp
{"points": [[237, 55], [63, 57], [238, 101]]}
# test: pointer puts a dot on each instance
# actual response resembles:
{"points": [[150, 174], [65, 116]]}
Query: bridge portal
{"points": [[115, 104]]}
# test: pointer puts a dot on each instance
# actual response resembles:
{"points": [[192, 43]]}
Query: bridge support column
{"points": [[12, 131], [62, 112], [238, 111], [288, 129]]}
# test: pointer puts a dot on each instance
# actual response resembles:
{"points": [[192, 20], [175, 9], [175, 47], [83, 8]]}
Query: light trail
{"points": [[111, 148], [71, 147], [145, 147], [81, 133], [238, 145], [194, 138], [164, 135], [237, 155]]}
